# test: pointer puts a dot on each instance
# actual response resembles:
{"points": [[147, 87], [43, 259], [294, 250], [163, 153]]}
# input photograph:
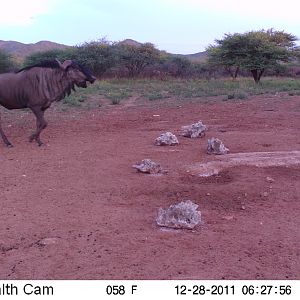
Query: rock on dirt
{"points": [[148, 166], [48, 241], [270, 179], [166, 139], [228, 218], [215, 146], [264, 194], [194, 130], [179, 216]]}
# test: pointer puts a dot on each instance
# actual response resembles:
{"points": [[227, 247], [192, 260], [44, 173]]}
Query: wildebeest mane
{"points": [[53, 64]]}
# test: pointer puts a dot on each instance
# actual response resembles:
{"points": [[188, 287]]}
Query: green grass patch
{"points": [[74, 99], [117, 95], [122, 89]]}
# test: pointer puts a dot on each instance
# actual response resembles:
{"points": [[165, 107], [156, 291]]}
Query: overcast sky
{"points": [[177, 26]]}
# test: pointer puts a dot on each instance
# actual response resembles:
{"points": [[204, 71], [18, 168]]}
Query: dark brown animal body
{"points": [[37, 86]]}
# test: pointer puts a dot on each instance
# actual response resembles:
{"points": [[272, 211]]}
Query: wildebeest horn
{"points": [[65, 64], [58, 62]]}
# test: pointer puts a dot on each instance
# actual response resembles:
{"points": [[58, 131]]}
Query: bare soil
{"points": [[76, 209]]}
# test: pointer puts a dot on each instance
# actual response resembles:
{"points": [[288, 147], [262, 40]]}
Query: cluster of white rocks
{"points": [[183, 215]]}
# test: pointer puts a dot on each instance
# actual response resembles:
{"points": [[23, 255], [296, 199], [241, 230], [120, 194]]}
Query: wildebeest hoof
{"points": [[39, 142], [9, 145], [34, 137]]}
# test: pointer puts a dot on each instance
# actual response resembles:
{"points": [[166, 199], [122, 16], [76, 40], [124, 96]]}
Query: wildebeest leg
{"points": [[4, 138], [40, 124]]}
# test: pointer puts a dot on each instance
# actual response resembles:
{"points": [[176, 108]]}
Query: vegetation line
{"points": [[117, 90], [255, 53]]}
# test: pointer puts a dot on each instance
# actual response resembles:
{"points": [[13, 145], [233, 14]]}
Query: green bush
{"points": [[6, 62], [37, 57]]}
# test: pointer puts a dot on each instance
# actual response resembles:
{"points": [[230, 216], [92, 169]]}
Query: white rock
{"points": [[47, 241], [166, 139], [181, 215], [215, 146], [228, 218], [194, 130], [270, 179], [148, 166]]}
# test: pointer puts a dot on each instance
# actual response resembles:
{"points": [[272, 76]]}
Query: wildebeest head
{"points": [[79, 74]]}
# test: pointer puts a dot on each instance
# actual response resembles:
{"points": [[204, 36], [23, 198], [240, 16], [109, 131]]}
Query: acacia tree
{"points": [[99, 56], [226, 54], [135, 58], [254, 51], [179, 66]]}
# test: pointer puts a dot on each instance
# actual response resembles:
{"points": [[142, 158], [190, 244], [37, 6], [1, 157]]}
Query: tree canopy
{"points": [[254, 51], [136, 58], [100, 56]]}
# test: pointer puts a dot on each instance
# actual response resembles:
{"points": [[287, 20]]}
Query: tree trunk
{"points": [[228, 69], [257, 74], [254, 74], [236, 72], [260, 74], [233, 73]]}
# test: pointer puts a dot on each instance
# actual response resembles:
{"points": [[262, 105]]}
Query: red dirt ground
{"points": [[97, 214]]}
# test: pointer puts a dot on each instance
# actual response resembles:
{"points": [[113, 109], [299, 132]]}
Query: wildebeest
{"points": [[37, 86]]}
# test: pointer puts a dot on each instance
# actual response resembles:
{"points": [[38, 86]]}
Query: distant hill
{"points": [[20, 50], [130, 42], [197, 57]]}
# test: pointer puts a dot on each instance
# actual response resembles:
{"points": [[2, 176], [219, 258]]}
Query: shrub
{"points": [[6, 62]]}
